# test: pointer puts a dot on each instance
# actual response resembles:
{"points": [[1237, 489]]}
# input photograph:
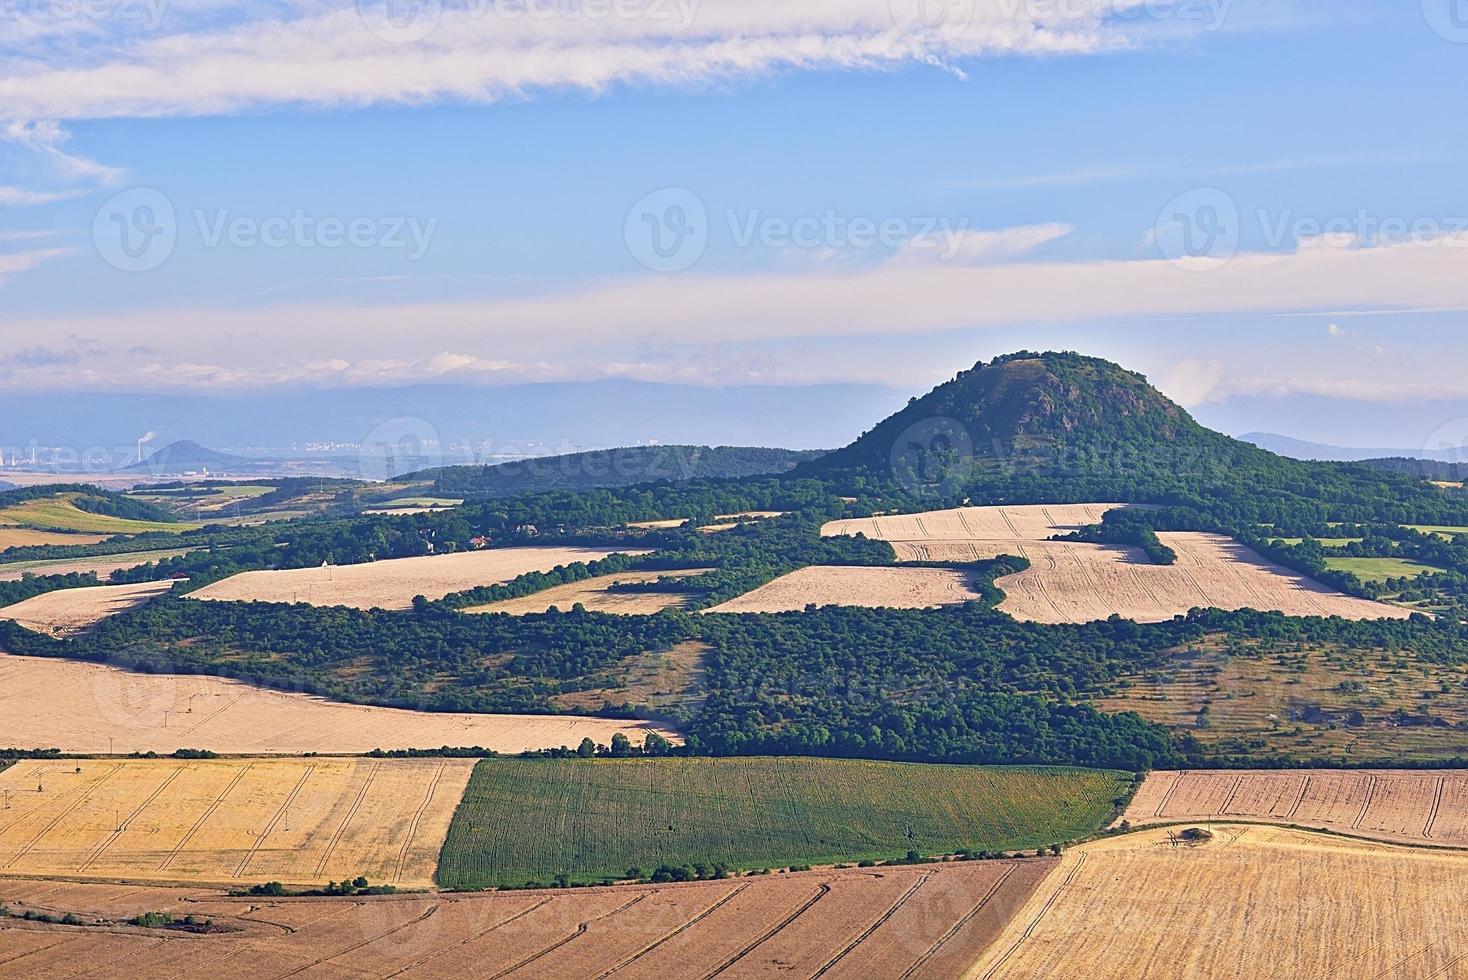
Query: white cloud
{"points": [[21, 197], [521, 334], [200, 61], [977, 247], [13, 262]]}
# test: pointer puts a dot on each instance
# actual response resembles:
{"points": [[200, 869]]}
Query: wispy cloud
{"points": [[885, 300], [201, 60], [14, 262]]}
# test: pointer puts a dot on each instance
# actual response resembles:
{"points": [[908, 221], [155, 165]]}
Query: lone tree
{"points": [[587, 749]]}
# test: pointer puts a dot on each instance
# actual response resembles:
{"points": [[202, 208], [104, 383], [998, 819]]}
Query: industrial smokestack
{"points": [[148, 436]]}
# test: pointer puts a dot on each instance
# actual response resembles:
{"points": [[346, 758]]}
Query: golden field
{"points": [[1075, 582], [1252, 902], [919, 922], [598, 595], [392, 583], [872, 588], [1406, 806], [83, 708], [301, 821], [69, 611]]}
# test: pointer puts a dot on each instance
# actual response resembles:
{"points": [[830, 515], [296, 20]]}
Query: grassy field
{"points": [[1380, 569], [1303, 701], [529, 820], [1324, 542], [61, 514], [1440, 529]]}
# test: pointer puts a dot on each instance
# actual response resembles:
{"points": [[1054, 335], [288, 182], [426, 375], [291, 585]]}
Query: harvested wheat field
{"points": [[1411, 807], [870, 588], [392, 583], [66, 612], [1254, 902], [921, 922], [1073, 582], [24, 537], [300, 821], [90, 708], [600, 594], [101, 566]]}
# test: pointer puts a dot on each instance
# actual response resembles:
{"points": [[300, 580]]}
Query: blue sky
{"points": [[1256, 198]]}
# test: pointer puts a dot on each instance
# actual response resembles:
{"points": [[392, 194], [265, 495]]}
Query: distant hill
{"points": [[1301, 449], [186, 456], [611, 468]]}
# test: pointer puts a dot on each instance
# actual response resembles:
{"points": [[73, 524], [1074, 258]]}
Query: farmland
{"points": [[1249, 902], [1406, 807], [871, 588], [599, 594], [392, 583], [1445, 531], [1303, 700], [91, 708], [100, 566], [594, 820], [299, 821], [921, 922], [24, 537], [69, 611], [60, 513], [1380, 569], [1073, 582]]}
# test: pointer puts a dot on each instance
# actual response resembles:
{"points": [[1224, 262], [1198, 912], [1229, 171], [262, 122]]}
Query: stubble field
{"points": [[599, 595], [300, 821], [91, 708], [1075, 582], [1255, 902], [66, 612], [1412, 807], [392, 583], [871, 588], [919, 922]]}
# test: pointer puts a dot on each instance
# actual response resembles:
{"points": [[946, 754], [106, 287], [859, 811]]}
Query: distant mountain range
{"points": [[454, 424], [1300, 449]]}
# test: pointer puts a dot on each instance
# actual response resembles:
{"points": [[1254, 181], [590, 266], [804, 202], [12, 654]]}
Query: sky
{"points": [[1244, 199]]}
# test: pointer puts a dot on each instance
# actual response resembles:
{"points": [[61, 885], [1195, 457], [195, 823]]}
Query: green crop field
{"points": [[528, 820], [1380, 569], [60, 514]]}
